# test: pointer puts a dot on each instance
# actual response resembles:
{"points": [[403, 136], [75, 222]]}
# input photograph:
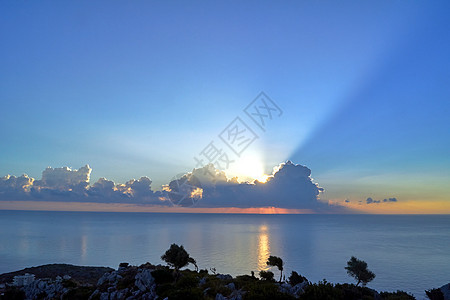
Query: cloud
{"points": [[66, 184], [289, 186], [371, 201], [13, 186], [390, 200]]}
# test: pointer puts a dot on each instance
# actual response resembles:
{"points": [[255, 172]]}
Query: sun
{"points": [[249, 168]]}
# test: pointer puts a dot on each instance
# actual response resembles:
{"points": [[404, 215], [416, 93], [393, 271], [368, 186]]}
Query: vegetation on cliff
{"points": [[149, 281]]}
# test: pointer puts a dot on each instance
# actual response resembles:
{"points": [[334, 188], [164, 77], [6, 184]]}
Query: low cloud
{"points": [[15, 186], [66, 184], [289, 186]]}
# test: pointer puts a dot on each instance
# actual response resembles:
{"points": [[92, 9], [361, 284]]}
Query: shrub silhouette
{"points": [[266, 275], [435, 294], [275, 261], [358, 270], [295, 278]]}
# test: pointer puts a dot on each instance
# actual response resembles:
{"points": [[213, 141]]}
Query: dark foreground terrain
{"points": [[83, 275], [161, 282]]}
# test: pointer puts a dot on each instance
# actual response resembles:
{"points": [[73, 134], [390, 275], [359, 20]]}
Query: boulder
{"points": [[110, 278], [104, 296], [298, 289], [221, 297], [202, 281], [45, 289], [144, 280]]}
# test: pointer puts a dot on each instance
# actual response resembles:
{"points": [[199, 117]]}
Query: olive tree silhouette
{"points": [[358, 270], [275, 261], [177, 257]]}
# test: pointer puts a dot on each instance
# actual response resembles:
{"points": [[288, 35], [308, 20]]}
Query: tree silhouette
{"points": [[177, 257], [192, 261], [275, 261], [358, 269]]}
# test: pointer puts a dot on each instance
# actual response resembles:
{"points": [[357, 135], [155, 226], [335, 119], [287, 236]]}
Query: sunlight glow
{"points": [[249, 168], [197, 193]]}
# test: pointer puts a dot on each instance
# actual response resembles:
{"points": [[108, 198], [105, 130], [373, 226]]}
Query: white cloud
{"points": [[290, 186], [64, 178]]}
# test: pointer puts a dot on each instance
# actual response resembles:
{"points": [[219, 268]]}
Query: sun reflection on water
{"points": [[263, 248], [84, 243]]}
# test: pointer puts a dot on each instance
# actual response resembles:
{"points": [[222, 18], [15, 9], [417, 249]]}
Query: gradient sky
{"points": [[139, 88]]}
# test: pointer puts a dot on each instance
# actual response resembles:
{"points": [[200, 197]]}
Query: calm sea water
{"points": [[410, 253]]}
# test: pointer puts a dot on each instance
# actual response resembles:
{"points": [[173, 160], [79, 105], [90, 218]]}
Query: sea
{"points": [[406, 252]]}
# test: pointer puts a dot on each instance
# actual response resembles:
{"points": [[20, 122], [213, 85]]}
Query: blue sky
{"points": [[139, 88]]}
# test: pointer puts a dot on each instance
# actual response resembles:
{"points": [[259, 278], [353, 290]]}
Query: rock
{"points": [[295, 290], [445, 289], [236, 295], [149, 296], [285, 288], [94, 294], [121, 294], [202, 281], [298, 289], [40, 287], [221, 297], [104, 296], [109, 278], [231, 286], [113, 295], [144, 280]]}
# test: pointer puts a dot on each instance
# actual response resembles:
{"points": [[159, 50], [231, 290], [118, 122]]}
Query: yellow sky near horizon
{"points": [[407, 207]]}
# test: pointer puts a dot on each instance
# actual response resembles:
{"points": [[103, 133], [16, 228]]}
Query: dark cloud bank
{"points": [[290, 186]]}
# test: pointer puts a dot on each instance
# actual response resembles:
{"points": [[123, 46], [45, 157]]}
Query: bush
{"points": [[266, 275], [398, 295], [265, 290], [187, 281], [214, 286], [435, 294], [69, 283], [13, 293], [168, 290], [128, 278], [295, 278], [79, 293], [163, 276], [243, 280], [203, 272], [322, 291]]}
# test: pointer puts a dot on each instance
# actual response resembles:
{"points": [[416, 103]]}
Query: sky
{"points": [[357, 92]]}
